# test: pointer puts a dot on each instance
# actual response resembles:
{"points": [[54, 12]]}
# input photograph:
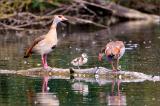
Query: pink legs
{"points": [[44, 61]]}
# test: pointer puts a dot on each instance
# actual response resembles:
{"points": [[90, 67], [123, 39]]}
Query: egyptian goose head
{"points": [[59, 18], [101, 54]]}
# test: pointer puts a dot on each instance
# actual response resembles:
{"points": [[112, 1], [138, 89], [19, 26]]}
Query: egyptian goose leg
{"points": [[45, 61], [112, 63], [117, 65], [42, 58], [78, 66]]}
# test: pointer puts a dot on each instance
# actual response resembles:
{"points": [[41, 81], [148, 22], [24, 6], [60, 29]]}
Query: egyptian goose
{"points": [[79, 61], [45, 43], [114, 50]]}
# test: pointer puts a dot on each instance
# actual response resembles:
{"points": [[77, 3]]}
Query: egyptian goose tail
{"points": [[26, 56], [27, 53]]}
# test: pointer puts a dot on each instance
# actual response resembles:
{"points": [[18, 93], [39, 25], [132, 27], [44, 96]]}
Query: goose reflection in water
{"points": [[116, 98], [80, 88], [45, 98]]}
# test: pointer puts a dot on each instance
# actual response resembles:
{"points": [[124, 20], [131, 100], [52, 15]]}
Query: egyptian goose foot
{"points": [[115, 71], [47, 68], [118, 70]]}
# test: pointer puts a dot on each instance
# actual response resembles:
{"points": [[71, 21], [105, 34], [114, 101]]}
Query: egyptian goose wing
{"points": [[29, 50]]}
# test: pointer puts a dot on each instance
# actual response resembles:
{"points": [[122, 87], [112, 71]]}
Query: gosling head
{"points": [[84, 55]]}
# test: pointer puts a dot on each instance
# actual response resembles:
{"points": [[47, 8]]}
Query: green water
{"points": [[142, 55]]}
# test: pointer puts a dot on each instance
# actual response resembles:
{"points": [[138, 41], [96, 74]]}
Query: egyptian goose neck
{"points": [[54, 24], [53, 31]]}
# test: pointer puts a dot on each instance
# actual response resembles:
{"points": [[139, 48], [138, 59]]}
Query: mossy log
{"points": [[97, 74]]}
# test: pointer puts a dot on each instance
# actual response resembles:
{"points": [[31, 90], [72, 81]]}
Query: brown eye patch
{"points": [[60, 16]]}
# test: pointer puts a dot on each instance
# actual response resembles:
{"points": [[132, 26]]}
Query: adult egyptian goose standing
{"points": [[79, 61], [45, 43], [114, 50]]}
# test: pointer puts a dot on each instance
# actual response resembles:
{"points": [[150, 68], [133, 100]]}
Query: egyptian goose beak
{"points": [[60, 18], [64, 18], [100, 57], [101, 53]]}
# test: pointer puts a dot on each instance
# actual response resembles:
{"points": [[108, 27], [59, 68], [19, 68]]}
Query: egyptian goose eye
{"points": [[60, 16]]}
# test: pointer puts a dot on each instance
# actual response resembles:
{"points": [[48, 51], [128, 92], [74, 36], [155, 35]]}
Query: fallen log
{"points": [[97, 74], [119, 11]]}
